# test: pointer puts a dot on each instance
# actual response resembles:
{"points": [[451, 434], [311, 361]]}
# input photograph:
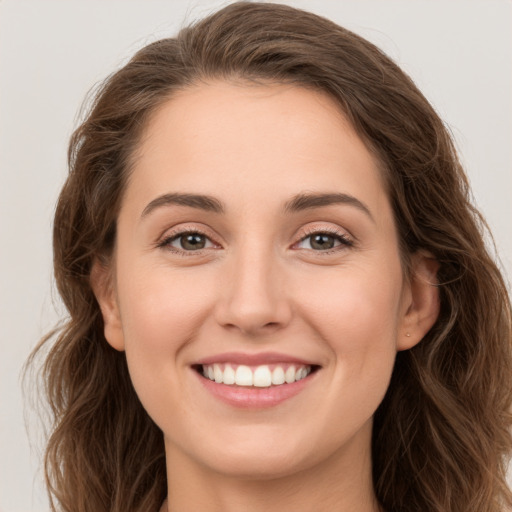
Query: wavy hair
{"points": [[441, 437]]}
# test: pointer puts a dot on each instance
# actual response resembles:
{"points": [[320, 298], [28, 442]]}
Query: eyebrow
{"points": [[199, 201], [308, 201], [300, 202]]}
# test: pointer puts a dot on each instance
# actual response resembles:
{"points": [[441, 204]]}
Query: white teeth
{"points": [[217, 373], [278, 376], [289, 376], [300, 374], [243, 376], [261, 376], [229, 375]]}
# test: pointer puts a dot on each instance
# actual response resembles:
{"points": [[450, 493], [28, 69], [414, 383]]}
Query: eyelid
{"points": [[346, 238], [175, 232]]}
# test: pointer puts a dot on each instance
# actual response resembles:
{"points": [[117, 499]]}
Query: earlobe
{"points": [[104, 290], [422, 304]]}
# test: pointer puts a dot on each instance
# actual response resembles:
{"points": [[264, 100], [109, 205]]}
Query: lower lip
{"points": [[253, 397]]}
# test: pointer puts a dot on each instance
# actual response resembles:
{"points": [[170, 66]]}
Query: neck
{"points": [[333, 485]]}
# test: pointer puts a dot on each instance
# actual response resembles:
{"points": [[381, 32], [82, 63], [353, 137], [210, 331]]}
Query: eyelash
{"points": [[342, 237], [344, 241], [166, 242]]}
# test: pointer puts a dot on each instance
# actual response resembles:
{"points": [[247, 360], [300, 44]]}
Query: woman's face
{"points": [[256, 244]]}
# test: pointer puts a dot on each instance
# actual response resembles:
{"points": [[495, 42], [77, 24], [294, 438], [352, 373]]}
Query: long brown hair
{"points": [[441, 437]]}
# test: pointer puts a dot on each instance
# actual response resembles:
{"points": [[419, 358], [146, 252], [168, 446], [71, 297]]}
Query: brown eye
{"points": [[324, 241], [191, 241]]}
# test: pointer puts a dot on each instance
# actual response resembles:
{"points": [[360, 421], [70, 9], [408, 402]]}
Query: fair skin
{"points": [[291, 260]]}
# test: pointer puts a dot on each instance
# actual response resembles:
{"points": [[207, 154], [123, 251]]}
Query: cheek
{"points": [[160, 306], [353, 304], [161, 313], [356, 313]]}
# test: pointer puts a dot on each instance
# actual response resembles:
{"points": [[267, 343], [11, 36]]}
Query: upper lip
{"points": [[253, 359]]}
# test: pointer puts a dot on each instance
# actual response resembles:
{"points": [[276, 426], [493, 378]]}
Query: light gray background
{"points": [[459, 52]]}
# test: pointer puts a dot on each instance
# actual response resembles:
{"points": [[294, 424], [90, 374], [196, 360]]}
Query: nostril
{"points": [[251, 309]]}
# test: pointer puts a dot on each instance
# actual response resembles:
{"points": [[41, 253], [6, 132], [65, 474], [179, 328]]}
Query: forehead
{"points": [[248, 139]]}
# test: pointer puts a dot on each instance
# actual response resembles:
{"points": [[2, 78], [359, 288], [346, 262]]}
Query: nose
{"points": [[253, 299]]}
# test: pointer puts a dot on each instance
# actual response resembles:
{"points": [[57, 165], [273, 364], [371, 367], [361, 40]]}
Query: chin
{"points": [[259, 457], [258, 466]]}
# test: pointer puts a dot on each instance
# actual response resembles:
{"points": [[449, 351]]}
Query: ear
{"points": [[420, 301], [103, 287]]}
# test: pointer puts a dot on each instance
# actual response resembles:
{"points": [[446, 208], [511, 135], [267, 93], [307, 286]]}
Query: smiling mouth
{"points": [[261, 376]]}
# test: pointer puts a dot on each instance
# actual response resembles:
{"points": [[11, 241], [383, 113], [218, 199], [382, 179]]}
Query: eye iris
{"points": [[322, 241], [192, 241]]}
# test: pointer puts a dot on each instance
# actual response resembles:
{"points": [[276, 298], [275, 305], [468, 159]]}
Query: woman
{"points": [[279, 293]]}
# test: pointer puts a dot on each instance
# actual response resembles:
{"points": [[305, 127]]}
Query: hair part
{"points": [[441, 437]]}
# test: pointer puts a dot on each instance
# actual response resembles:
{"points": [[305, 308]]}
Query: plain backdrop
{"points": [[459, 52]]}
